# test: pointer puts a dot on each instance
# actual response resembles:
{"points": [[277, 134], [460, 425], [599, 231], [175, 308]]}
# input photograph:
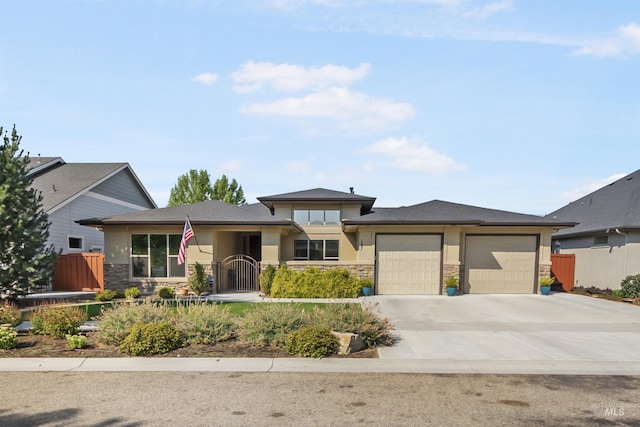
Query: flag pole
{"points": [[196, 239]]}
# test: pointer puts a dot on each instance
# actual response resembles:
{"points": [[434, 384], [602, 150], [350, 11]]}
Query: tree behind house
{"points": [[195, 186], [26, 262]]}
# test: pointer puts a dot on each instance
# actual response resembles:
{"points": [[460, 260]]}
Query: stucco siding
{"points": [[604, 266]]}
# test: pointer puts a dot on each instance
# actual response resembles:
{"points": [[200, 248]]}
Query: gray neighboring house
{"points": [[406, 250], [606, 242], [72, 191]]}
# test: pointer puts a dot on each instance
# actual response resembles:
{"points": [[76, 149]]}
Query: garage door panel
{"points": [[500, 264], [408, 264]]}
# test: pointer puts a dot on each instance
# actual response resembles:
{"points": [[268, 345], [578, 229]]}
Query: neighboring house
{"points": [[407, 250], [606, 242], [72, 191]]}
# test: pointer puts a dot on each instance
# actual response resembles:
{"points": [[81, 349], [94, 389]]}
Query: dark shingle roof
{"points": [[616, 205], [211, 212], [319, 195], [437, 212]]}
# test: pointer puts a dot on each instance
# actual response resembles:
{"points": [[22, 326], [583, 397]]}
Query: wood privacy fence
{"points": [[563, 268], [79, 272]]}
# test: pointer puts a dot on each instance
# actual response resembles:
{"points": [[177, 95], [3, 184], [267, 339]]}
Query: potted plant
{"points": [[451, 285], [545, 284], [367, 286]]}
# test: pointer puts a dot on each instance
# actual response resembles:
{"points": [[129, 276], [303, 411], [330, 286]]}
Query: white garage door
{"points": [[408, 264], [500, 264]]}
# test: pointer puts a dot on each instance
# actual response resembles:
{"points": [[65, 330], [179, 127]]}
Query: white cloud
{"points": [[414, 156], [205, 78], [489, 9], [589, 187], [297, 166], [354, 109], [254, 76], [230, 166], [626, 41]]}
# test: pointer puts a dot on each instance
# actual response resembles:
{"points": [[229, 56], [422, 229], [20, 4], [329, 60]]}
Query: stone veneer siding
{"points": [[116, 277], [362, 271]]}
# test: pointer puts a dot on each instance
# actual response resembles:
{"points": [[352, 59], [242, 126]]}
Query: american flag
{"points": [[186, 235]]}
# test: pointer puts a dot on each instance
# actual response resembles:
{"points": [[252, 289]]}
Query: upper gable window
{"points": [[317, 217]]}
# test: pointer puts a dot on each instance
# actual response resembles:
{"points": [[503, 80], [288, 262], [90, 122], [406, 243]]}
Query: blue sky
{"points": [[508, 104]]}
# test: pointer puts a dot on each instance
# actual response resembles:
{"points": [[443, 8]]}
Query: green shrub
{"points": [[270, 323], [117, 321], [8, 338], [166, 292], [198, 281], [313, 283], [57, 322], [151, 338], [311, 341], [76, 341], [132, 293], [630, 286], [205, 323], [106, 295], [618, 293], [357, 319], [266, 279], [9, 315]]}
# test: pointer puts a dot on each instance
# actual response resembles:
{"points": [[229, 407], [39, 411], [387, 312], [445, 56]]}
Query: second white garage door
{"points": [[500, 264], [408, 264]]}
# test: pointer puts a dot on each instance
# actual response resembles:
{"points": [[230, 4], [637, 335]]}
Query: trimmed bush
{"points": [[313, 283], [357, 319], [631, 286], [151, 338], [269, 324], [117, 321], [76, 341], [9, 315], [166, 293], [8, 338], [266, 279], [311, 341], [205, 323], [132, 293], [106, 295], [57, 322], [198, 281]]}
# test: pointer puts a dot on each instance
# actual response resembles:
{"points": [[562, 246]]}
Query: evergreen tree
{"points": [[26, 263], [229, 192]]}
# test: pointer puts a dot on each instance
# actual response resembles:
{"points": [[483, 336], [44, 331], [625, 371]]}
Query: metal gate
{"points": [[239, 273]]}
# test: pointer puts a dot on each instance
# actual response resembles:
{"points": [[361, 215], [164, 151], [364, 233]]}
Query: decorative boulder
{"points": [[349, 342]]}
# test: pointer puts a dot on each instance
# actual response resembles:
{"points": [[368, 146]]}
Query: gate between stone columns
{"points": [[239, 273]]}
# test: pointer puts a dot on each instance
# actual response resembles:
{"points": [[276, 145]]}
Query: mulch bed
{"points": [[43, 346]]}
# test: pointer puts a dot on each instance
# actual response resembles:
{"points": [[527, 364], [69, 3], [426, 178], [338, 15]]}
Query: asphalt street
{"points": [[314, 399]]}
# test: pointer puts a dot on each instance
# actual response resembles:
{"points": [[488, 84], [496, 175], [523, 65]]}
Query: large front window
{"points": [[156, 255], [317, 217], [316, 250]]}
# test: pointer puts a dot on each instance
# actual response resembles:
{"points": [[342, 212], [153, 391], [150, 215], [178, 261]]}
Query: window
{"points": [[75, 242], [156, 255], [602, 240], [317, 217], [316, 250]]}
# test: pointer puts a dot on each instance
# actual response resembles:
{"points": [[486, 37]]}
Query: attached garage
{"points": [[408, 264], [500, 264]]}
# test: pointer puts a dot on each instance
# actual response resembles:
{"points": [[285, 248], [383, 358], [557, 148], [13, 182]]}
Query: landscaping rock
{"points": [[349, 343]]}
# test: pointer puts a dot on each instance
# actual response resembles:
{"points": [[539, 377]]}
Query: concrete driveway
{"points": [[560, 327]]}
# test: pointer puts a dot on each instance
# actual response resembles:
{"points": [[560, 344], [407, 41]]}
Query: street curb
{"points": [[302, 365]]}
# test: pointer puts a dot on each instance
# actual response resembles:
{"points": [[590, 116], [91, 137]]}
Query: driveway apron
{"points": [[563, 327]]}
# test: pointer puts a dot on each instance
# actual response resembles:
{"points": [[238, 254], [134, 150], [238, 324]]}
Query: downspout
{"points": [[626, 249]]}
